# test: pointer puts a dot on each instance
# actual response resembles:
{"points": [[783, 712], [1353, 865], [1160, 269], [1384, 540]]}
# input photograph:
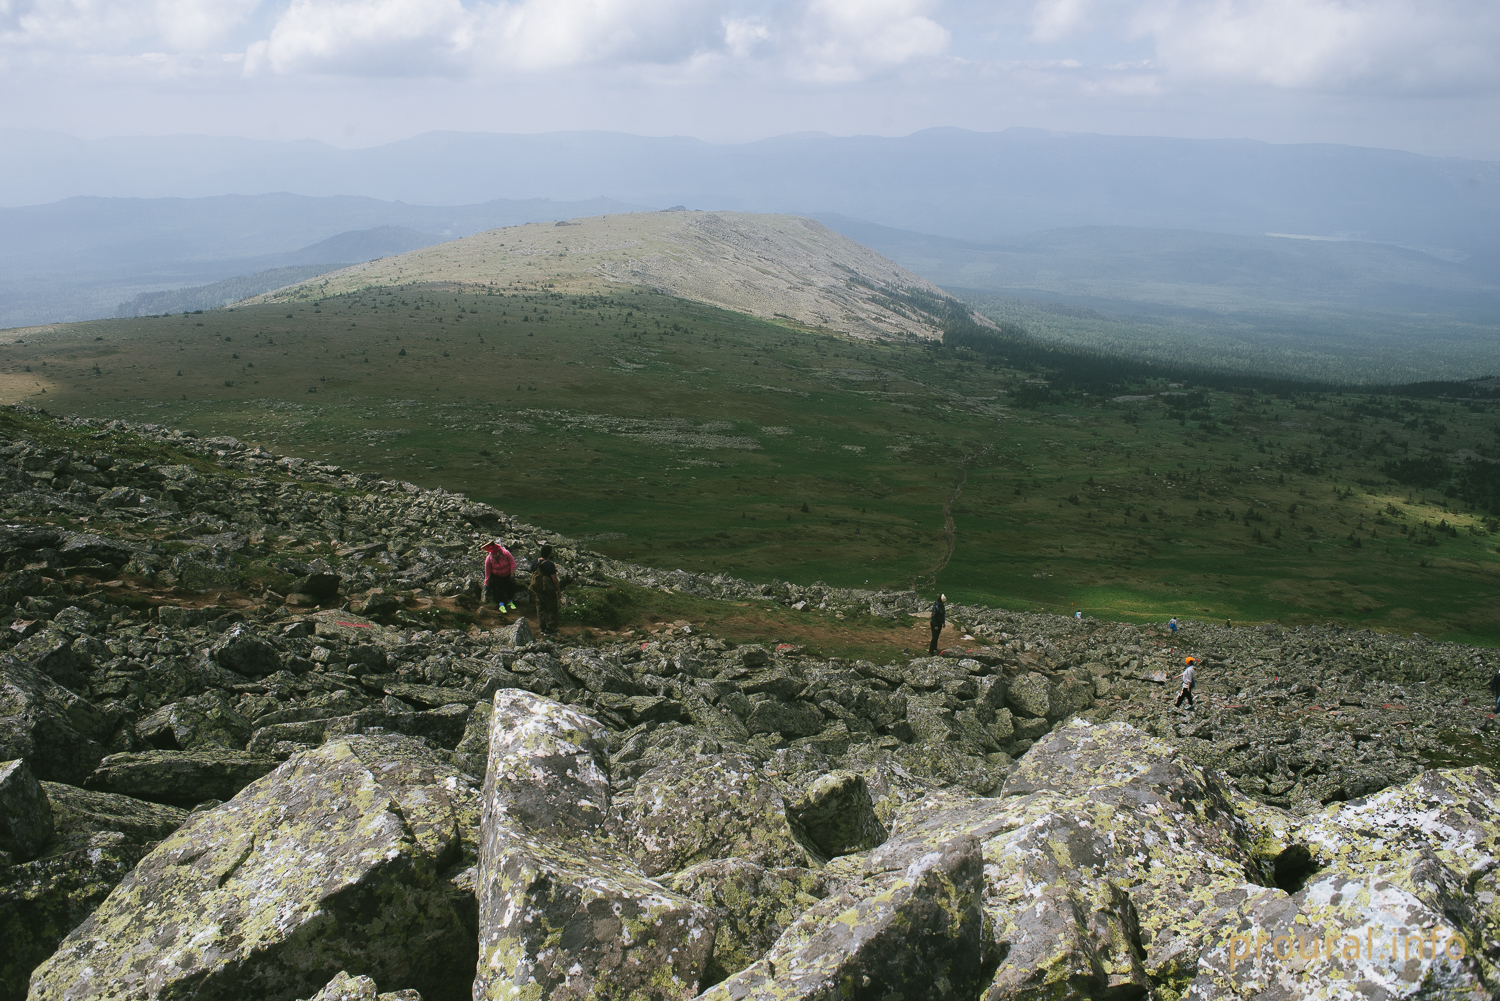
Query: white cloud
{"points": [[366, 38], [108, 26], [846, 40], [824, 40], [1387, 46]]}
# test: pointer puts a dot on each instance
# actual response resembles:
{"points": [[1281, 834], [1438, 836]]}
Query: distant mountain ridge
{"points": [[950, 182], [81, 258], [216, 294]]}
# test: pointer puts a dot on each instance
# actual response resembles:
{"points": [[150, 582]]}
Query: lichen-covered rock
{"points": [[1416, 861], [837, 814], [245, 652], [98, 837], [59, 655], [1091, 804], [1028, 695], [181, 778], [332, 861], [562, 914], [598, 674], [444, 726], [57, 733], [25, 814], [343, 987], [789, 719], [79, 816], [204, 721], [1066, 946], [949, 765], [42, 900], [1067, 696], [472, 752], [703, 807], [914, 931], [752, 906]]}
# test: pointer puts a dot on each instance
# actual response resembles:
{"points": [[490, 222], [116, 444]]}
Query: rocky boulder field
{"points": [[240, 758]]}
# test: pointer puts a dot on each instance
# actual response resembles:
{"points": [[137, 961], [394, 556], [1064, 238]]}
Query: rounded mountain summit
{"points": [[776, 267]]}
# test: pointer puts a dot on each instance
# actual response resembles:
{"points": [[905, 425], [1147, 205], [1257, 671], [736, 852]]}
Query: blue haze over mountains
{"points": [[1114, 223]]}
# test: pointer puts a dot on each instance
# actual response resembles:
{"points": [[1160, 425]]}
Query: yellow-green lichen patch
{"points": [[309, 870]]}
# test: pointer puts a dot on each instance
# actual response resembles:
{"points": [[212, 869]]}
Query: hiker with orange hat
{"points": [[500, 576], [1188, 671]]}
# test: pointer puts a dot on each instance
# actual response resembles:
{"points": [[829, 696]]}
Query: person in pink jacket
{"points": [[500, 576]]}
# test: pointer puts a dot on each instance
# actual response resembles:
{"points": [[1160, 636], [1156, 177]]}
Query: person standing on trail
{"points": [[1188, 672], [500, 577], [1172, 623], [937, 622], [547, 587], [1495, 688]]}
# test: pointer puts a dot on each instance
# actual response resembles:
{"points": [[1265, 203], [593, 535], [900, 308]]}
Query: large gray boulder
{"points": [[911, 927], [334, 861], [204, 721], [180, 778], [1028, 695], [344, 987], [244, 651], [25, 814], [837, 815], [97, 838], [1398, 888], [58, 733], [752, 906], [60, 655], [699, 807], [789, 719], [563, 914]]}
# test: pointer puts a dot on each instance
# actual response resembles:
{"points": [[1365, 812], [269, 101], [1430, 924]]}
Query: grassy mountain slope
{"points": [[766, 266], [683, 435]]}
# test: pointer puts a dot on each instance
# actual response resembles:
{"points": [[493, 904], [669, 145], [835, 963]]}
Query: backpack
{"points": [[540, 583]]}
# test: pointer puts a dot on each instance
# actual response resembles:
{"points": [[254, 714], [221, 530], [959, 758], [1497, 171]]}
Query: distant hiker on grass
{"points": [[1172, 623], [938, 621], [1188, 671], [500, 577], [548, 590]]}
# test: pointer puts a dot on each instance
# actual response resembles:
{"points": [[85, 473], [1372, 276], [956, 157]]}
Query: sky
{"points": [[1420, 75]]}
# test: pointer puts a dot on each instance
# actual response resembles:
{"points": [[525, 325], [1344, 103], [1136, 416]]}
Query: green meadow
{"points": [[679, 435]]}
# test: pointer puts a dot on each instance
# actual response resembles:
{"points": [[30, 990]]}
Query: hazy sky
{"points": [[1422, 75]]}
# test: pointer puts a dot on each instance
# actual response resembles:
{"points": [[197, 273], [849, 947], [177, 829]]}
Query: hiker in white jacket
{"points": [[1188, 671]]}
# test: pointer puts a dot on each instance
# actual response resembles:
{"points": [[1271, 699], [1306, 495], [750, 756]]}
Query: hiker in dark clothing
{"points": [[1495, 688], [548, 590], [939, 619]]}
